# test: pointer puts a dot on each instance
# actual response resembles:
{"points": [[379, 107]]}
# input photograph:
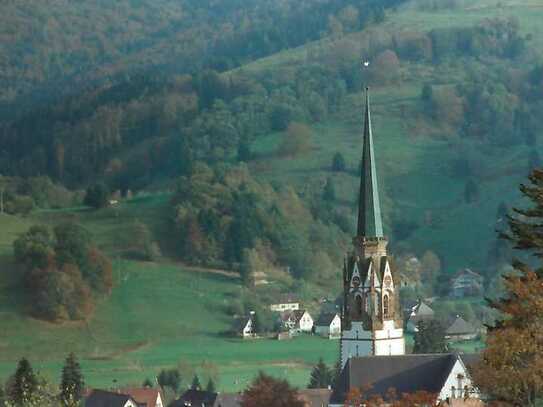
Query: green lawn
{"points": [[158, 316]]}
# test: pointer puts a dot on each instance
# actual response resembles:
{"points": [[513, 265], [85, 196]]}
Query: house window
{"points": [[385, 306]]}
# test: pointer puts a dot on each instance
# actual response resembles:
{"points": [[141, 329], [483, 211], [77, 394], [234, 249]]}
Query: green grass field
{"points": [[160, 315]]}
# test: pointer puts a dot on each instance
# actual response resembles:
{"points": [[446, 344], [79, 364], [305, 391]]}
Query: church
{"points": [[371, 318], [372, 344]]}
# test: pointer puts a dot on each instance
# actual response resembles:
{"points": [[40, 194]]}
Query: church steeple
{"points": [[371, 320], [369, 209]]}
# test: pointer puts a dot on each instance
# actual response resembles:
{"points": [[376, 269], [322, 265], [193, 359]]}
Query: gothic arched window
{"points": [[359, 305], [385, 306]]}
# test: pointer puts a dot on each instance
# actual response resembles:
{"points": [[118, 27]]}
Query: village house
{"points": [[195, 398], [286, 302], [315, 397], [244, 326], [419, 312], [460, 330], [145, 396], [466, 283], [443, 374], [104, 398], [228, 400], [297, 321], [328, 325]]}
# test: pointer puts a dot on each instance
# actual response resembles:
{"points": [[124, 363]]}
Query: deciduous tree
{"points": [[511, 369], [270, 392]]}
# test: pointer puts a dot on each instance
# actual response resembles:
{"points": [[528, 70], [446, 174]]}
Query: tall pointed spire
{"points": [[369, 208]]}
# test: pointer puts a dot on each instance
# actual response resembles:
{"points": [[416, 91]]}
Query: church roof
{"points": [[405, 373], [104, 398], [369, 208]]}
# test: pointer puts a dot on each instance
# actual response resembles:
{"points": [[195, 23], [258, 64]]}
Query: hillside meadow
{"points": [[160, 315]]}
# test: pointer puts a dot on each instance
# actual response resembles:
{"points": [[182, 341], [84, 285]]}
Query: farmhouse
{"points": [[328, 325], [419, 312], [195, 398], [145, 396], [466, 283], [286, 302], [443, 374], [228, 400], [297, 321], [244, 326], [460, 330], [103, 398]]}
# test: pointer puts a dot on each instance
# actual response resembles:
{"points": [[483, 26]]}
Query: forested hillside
{"points": [[63, 46]]}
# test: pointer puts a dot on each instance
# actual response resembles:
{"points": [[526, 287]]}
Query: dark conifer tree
{"points": [[211, 386], [525, 231], [430, 337], [24, 384], [147, 383], [338, 162], [71, 383], [195, 385], [321, 376]]}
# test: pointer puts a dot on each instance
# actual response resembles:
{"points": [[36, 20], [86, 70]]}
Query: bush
{"points": [[97, 196]]}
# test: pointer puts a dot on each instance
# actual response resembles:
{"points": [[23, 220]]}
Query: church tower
{"points": [[371, 319]]}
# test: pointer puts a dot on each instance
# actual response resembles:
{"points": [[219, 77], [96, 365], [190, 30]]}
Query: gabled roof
{"points": [[369, 208], [423, 310], [145, 396], [228, 400], [298, 314], [325, 319], [315, 397], [468, 272], [293, 315], [103, 398], [405, 373], [241, 322], [460, 327], [195, 398]]}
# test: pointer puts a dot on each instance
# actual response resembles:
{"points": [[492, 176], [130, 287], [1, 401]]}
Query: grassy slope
{"points": [[414, 168], [159, 315]]}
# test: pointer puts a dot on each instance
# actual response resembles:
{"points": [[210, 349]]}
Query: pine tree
{"points": [[430, 337], [511, 368], [147, 383], [71, 383], [338, 162], [210, 386], [195, 385], [24, 384], [321, 376]]}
